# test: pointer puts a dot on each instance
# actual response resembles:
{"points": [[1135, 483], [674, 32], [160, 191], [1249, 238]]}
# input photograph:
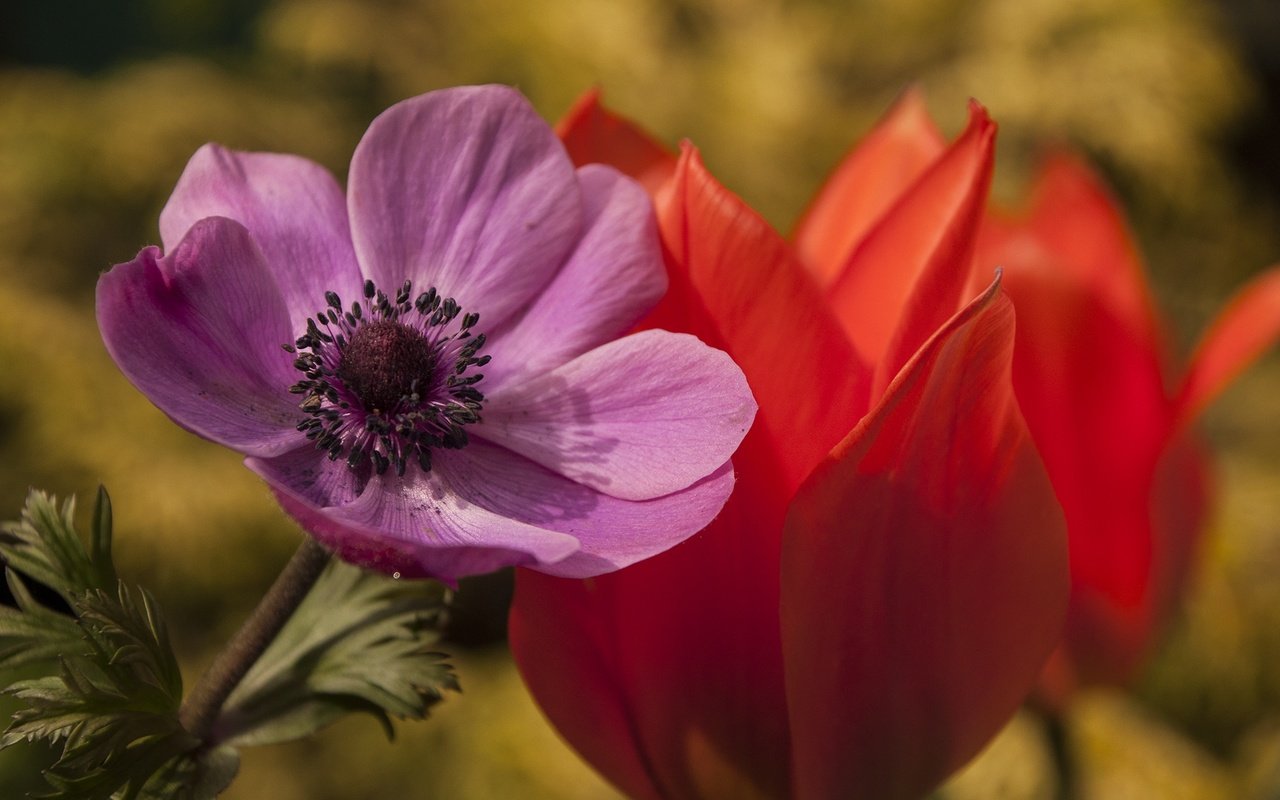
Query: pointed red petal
{"points": [[866, 183], [1242, 332], [1092, 391], [668, 674], [564, 645], [917, 257], [594, 135], [924, 574], [1073, 216], [683, 650], [737, 285]]}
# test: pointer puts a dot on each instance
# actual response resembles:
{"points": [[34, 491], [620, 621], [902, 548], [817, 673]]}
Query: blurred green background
{"points": [[102, 102]]}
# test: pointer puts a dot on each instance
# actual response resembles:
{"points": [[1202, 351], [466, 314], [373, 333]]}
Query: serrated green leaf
{"points": [[43, 544], [360, 641], [100, 540], [112, 688]]}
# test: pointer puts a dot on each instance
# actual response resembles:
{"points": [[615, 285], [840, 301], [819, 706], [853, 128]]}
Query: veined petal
{"points": [[637, 418], [294, 209], [614, 276], [924, 574], [910, 272], [594, 135], [611, 533], [416, 525], [199, 333], [312, 476], [868, 181], [687, 664], [736, 285], [1242, 332], [482, 508], [562, 640], [466, 190]]}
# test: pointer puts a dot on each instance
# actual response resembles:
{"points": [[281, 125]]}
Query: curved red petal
{"points": [[736, 284], [911, 271], [866, 183], [924, 574], [1092, 391], [692, 661], [1242, 332], [563, 646], [667, 676], [594, 135], [1072, 215]]}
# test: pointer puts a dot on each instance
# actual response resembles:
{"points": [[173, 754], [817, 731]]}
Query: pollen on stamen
{"points": [[389, 380]]}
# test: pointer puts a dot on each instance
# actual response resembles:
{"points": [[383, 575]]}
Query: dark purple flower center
{"points": [[385, 361], [388, 380]]}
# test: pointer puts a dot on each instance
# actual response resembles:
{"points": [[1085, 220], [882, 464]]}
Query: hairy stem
{"points": [[201, 707]]}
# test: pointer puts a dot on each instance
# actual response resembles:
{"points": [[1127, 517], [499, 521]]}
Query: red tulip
{"points": [[1090, 373], [1111, 414], [889, 576]]}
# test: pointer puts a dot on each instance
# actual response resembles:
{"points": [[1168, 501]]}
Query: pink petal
{"points": [[312, 476], [466, 190], [294, 209], [870, 179], [637, 418], [199, 333], [482, 508], [1242, 332], [614, 276], [924, 574], [415, 525], [611, 533]]}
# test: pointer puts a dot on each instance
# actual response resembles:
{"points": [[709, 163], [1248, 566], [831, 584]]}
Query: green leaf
{"points": [[100, 540], [199, 775], [43, 544], [114, 704], [360, 641], [32, 634], [110, 686]]}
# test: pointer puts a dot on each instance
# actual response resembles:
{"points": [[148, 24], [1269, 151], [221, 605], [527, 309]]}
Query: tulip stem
{"points": [[201, 707], [1062, 754]]}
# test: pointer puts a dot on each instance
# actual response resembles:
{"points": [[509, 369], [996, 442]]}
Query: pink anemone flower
{"points": [[336, 342]]}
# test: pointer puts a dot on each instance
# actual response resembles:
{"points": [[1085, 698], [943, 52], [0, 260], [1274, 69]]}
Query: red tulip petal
{"points": [[1242, 332], [1073, 216], [872, 177], [736, 284], [685, 651], [918, 256], [668, 674], [924, 574], [594, 135], [1092, 391], [562, 641], [1180, 500]]}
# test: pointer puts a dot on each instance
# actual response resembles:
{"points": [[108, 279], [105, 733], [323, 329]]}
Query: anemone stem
{"points": [[200, 709]]}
